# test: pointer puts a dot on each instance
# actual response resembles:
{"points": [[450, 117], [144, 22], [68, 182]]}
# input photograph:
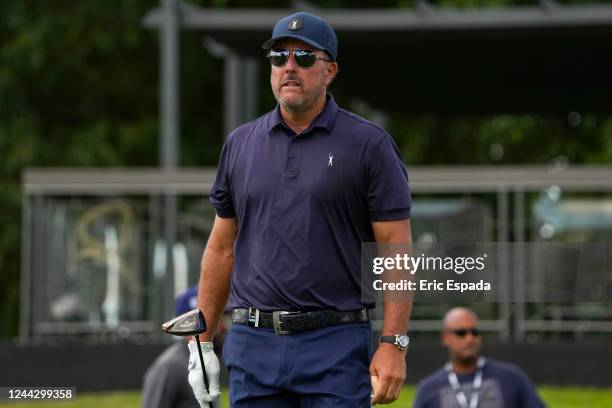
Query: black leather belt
{"points": [[290, 322]]}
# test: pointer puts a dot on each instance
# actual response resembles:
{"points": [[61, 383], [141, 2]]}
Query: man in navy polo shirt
{"points": [[469, 380], [297, 192]]}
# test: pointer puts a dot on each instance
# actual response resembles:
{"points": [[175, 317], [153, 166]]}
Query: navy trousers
{"points": [[327, 367]]}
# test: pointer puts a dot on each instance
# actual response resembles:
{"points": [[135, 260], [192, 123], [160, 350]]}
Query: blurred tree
{"points": [[504, 139], [79, 87]]}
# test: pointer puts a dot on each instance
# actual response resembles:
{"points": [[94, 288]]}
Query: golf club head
{"points": [[187, 324]]}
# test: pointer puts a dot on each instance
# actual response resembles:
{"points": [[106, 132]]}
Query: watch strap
{"points": [[394, 339]]}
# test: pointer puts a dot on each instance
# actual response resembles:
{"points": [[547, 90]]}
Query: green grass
{"points": [[555, 397], [571, 397]]}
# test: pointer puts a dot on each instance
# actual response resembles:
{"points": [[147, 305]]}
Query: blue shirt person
{"points": [[297, 192], [165, 383], [469, 380]]}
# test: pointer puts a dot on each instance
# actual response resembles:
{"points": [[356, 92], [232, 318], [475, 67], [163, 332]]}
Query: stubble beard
{"points": [[301, 103]]}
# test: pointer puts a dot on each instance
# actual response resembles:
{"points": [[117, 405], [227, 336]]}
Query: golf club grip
{"points": [[210, 405]]}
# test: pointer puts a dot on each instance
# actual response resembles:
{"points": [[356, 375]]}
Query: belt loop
{"points": [[310, 320], [253, 320]]}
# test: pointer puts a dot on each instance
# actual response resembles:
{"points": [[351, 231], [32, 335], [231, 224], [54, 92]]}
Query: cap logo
{"points": [[295, 24]]}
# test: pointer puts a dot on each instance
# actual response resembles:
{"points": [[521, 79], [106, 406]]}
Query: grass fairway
{"points": [[555, 397]]}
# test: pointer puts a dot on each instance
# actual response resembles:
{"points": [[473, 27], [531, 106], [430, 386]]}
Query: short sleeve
{"points": [[156, 392], [221, 192], [419, 401], [426, 395], [388, 193], [529, 396]]}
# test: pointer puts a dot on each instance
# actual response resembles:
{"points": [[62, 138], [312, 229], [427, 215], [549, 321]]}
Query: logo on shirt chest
{"points": [[330, 163]]}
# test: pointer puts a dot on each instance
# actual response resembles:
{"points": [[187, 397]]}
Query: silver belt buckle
{"points": [[253, 317], [276, 321]]}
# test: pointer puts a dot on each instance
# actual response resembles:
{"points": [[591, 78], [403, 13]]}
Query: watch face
{"points": [[403, 341]]}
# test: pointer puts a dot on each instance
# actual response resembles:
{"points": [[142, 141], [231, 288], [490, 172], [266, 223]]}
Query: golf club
{"points": [[191, 323]]}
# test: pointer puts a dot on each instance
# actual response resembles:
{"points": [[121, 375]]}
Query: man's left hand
{"points": [[388, 372]]}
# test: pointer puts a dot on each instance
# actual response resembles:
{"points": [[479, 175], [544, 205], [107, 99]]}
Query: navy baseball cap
{"points": [[305, 27], [186, 301]]}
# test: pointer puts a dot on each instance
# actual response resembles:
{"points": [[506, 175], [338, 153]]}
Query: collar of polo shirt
{"points": [[325, 119]]}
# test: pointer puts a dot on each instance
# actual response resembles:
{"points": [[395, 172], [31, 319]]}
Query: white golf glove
{"points": [[196, 377]]}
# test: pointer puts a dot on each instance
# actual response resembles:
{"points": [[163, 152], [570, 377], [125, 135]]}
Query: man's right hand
{"points": [[196, 376]]}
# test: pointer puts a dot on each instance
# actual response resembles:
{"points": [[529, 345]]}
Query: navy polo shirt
{"points": [[503, 385], [304, 204]]}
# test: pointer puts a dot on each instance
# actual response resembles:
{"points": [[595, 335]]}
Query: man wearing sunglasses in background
{"points": [[297, 191], [469, 380]]}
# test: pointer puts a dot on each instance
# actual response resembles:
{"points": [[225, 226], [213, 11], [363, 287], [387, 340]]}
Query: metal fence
{"points": [[103, 253]]}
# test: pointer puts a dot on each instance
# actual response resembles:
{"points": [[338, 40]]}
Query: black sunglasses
{"points": [[463, 332], [304, 58]]}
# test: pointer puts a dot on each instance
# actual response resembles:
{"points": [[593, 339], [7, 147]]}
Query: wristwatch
{"points": [[401, 341]]}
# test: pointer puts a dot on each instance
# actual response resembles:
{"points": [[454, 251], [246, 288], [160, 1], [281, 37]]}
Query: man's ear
{"points": [[443, 339], [332, 71]]}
